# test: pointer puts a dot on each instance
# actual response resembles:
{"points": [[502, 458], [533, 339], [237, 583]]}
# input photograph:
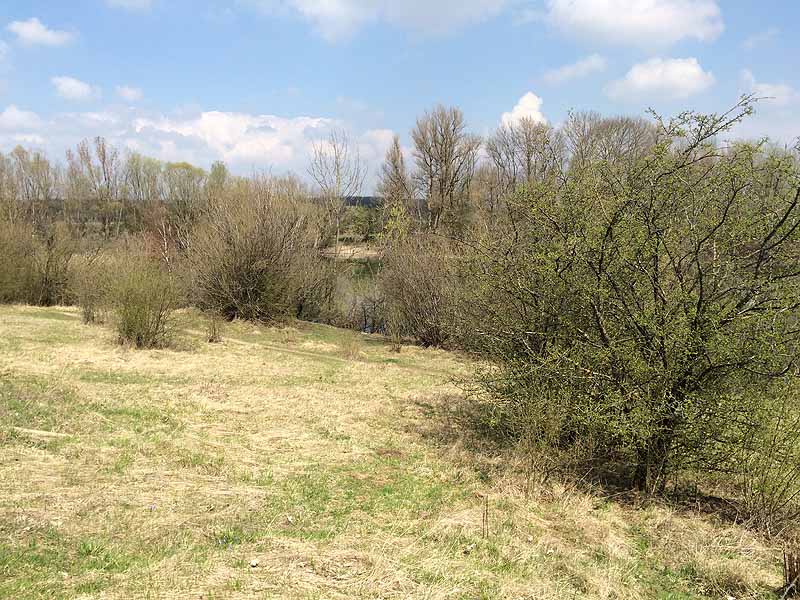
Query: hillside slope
{"points": [[304, 462]]}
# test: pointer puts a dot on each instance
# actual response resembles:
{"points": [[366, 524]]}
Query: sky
{"points": [[256, 83]]}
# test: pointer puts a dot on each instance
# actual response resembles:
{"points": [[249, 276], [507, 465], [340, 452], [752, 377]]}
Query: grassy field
{"points": [[303, 462]]}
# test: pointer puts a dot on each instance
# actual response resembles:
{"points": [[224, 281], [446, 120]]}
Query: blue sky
{"points": [[255, 82]]}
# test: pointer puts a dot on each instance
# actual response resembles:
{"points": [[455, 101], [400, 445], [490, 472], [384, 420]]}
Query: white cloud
{"points": [[129, 93], [759, 39], [70, 88], [777, 114], [33, 32], [671, 78], [648, 23], [336, 19], [131, 4], [17, 120], [773, 94], [593, 63], [240, 137], [246, 142], [373, 144], [530, 106], [3, 50]]}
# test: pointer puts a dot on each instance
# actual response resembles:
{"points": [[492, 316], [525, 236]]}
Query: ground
{"points": [[302, 462]]}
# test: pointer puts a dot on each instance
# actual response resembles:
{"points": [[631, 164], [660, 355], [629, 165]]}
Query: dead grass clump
{"points": [[214, 328], [350, 347]]}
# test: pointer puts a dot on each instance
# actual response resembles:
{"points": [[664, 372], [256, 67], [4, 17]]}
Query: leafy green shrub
{"points": [[644, 304], [144, 298], [768, 463]]}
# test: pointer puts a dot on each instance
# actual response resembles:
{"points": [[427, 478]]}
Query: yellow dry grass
{"points": [[303, 462]]}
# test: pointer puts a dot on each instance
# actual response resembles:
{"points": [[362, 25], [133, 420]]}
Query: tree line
{"points": [[631, 286]]}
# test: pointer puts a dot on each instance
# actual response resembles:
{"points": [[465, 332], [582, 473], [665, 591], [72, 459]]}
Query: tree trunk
{"points": [[651, 466], [791, 574]]}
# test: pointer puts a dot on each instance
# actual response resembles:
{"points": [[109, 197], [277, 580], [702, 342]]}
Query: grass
{"points": [[319, 453]]}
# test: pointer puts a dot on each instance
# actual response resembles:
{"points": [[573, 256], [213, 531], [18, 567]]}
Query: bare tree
{"points": [[445, 156], [337, 169], [615, 140], [143, 180], [96, 171], [10, 209], [525, 152], [36, 184], [184, 187]]}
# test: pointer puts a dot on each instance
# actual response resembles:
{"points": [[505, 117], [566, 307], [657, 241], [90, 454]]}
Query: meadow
{"points": [[306, 461]]}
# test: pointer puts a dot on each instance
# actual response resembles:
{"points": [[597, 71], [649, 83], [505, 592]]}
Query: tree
{"points": [[184, 186], [525, 152], [10, 209], [337, 169], [647, 305], [446, 157], [589, 137], [395, 184], [95, 170], [36, 185]]}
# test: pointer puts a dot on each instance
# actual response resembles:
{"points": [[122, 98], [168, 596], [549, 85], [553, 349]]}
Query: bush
{"points": [[644, 304], [55, 251], [144, 298], [314, 281], [90, 278], [420, 287], [254, 258], [768, 463], [34, 265], [17, 266]]}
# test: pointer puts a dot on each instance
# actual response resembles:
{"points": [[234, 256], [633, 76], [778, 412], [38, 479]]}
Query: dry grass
{"points": [[316, 455], [353, 252]]}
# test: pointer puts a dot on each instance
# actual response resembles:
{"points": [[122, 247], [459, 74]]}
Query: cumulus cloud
{"points": [[70, 88], [131, 4], [34, 33], [129, 93], [246, 142], [593, 63], [241, 137], [530, 106], [672, 78], [773, 94], [18, 120], [645, 23], [336, 19], [777, 113]]}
